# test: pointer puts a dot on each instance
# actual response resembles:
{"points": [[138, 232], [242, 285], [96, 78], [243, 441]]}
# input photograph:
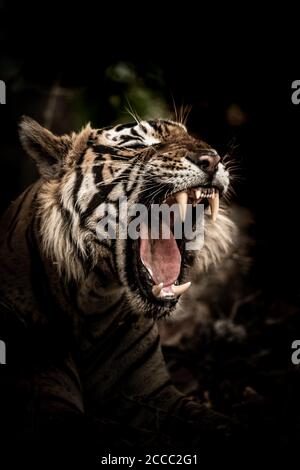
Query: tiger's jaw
{"points": [[161, 265]]}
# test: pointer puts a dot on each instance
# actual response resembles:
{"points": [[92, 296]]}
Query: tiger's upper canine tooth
{"points": [[156, 290], [214, 206], [197, 193], [178, 290], [182, 199]]}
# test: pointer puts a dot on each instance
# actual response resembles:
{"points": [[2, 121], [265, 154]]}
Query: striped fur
{"points": [[81, 293]]}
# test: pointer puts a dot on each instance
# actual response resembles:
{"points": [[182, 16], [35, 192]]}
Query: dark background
{"points": [[65, 72]]}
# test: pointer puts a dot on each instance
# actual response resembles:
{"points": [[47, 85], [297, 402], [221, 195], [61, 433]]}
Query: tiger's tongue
{"points": [[161, 257]]}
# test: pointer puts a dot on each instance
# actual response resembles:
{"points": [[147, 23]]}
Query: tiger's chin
{"points": [[163, 265]]}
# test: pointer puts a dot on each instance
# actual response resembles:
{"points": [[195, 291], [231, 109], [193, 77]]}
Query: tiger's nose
{"points": [[209, 163]]}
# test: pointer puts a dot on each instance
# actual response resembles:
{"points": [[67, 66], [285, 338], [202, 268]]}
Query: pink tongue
{"points": [[161, 257]]}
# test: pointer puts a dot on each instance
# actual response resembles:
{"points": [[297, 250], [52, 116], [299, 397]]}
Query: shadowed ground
{"points": [[230, 347]]}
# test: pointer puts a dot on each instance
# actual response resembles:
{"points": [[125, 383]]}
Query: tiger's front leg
{"points": [[128, 381]]}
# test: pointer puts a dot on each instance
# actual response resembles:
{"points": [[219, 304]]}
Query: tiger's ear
{"points": [[48, 150]]}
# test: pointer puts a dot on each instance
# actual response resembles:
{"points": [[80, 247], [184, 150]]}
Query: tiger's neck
{"points": [[97, 296]]}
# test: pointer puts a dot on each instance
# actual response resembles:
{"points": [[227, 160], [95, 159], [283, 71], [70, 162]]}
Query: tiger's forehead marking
{"points": [[142, 134]]}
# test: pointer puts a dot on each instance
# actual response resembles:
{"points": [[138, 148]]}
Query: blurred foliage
{"points": [[139, 99], [117, 92]]}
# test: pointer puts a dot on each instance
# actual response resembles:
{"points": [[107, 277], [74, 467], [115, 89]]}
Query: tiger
{"points": [[80, 312]]}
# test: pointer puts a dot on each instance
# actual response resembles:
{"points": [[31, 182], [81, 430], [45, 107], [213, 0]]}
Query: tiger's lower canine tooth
{"points": [[178, 290], [182, 199], [214, 206], [156, 290]]}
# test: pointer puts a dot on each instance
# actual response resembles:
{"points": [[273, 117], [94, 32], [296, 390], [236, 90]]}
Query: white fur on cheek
{"points": [[222, 176]]}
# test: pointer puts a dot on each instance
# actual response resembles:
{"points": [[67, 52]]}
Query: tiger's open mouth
{"points": [[161, 260]]}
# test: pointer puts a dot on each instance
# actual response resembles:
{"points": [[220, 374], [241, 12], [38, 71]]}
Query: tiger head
{"points": [[85, 176]]}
